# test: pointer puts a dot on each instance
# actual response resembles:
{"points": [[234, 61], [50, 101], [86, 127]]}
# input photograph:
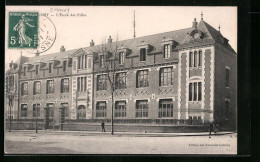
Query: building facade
{"points": [[187, 75]]}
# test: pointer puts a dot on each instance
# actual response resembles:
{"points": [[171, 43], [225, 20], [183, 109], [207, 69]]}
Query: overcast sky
{"points": [[100, 22]]}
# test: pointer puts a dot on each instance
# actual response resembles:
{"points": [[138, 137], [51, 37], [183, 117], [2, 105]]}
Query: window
{"points": [[101, 61], [195, 91], [142, 54], [86, 59], [166, 76], [82, 84], [24, 89], [165, 108], [65, 65], [141, 109], [190, 59], [37, 69], [36, 110], [24, 108], [199, 91], [121, 58], [50, 86], [66, 105], [101, 109], [82, 62], [167, 51], [81, 112], [200, 57], [195, 59], [120, 109], [227, 109], [120, 80], [101, 82], [79, 61], [227, 78], [36, 87], [50, 67], [142, 78], [51, 109], [24, 71], [65, 85]]}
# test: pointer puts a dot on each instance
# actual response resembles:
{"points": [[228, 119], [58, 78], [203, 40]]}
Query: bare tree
{"points": [[111, 64]]}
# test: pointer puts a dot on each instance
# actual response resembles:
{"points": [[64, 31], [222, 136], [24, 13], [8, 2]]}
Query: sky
{"points": [[99, 22]]}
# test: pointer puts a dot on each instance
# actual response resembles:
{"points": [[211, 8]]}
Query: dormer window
{"points": [[101, 61], [37, 69], [50, 67], [82, 62], [24, 71], [64, 65], [121, 58], [167, 51], [142, 54], [144, 48]]}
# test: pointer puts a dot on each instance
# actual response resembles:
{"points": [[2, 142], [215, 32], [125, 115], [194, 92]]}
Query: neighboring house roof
{"points": [[17, 64], [181, 37]]}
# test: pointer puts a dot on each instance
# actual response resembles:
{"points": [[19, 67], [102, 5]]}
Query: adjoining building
{"points": [[188, 76]]}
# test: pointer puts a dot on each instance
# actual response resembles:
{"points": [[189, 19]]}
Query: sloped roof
{"points": [[48, 57], [214, 34], [180, 37], [21, 60]]}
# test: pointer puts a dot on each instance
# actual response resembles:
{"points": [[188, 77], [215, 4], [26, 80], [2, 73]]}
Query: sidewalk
{"points": [[85, 133]]}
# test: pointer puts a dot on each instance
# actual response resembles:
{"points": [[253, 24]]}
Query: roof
{"points": [[181, 37], [17, 64]]}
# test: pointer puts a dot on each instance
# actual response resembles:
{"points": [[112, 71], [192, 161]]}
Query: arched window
{"points": [[81, 112]]}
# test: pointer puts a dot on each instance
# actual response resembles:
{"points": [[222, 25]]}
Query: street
{"points": [[48, 142]]}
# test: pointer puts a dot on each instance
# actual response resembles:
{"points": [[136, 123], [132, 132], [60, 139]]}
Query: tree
{"points": [[111, 60]]}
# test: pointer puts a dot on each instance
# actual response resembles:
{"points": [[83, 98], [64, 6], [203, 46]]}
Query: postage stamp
{"points": [[23, 30]]}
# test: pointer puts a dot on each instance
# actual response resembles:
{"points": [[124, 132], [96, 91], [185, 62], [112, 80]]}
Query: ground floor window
{"points": [[36, 110], [120, 109], [24, 108], [141, 109], [165, 108], [66, 105], [51, 109], [101, 109], [81, 112]]}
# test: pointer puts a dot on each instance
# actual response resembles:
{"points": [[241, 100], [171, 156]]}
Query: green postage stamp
{"points": [[23, 30]]}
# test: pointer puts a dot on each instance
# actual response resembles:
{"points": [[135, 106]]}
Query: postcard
{"points": [[121, 80]]}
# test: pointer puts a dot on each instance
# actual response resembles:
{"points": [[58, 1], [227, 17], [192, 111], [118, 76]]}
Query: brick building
{"points": [[187, 75]]}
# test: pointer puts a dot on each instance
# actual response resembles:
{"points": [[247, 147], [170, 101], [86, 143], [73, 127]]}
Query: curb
{"points": [[82, 133]]}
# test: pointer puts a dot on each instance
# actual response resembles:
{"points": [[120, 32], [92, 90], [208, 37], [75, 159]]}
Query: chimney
{"points": [[62, 49], [92, 43], [194, 23], [109, 39]]}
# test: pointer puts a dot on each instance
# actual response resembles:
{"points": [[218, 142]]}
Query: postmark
{"points": [[23, 30], [47, 34]]}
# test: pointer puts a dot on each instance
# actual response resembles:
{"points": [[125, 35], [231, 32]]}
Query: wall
{"points": [[56, 98], [224, 59]]}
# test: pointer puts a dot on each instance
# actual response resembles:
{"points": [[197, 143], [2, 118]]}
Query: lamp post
{"points": [[10, 111]]}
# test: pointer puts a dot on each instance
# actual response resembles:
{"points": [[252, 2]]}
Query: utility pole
{"points": [[134, 24]]}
